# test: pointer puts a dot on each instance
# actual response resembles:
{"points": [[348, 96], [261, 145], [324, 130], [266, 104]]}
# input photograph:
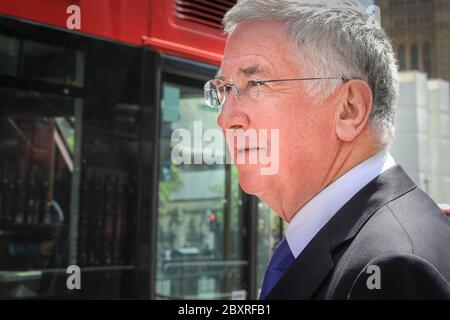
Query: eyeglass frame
{"points": [[259, 82]]}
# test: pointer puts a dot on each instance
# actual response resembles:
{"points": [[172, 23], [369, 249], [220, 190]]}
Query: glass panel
{"points": [[108, 207], [38, 168], [200, 227], [68, 172], [106, 231], [39, 61], [52, 64], [9, 54]]}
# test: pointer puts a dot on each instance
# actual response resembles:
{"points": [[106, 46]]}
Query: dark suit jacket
{"points": [[390, 224]]}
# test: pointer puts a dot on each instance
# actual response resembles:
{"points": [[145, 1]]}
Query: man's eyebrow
{"points": [[254, 69]]}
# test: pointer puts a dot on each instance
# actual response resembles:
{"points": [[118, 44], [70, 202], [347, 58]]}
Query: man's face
{"points": [[259, 51]]}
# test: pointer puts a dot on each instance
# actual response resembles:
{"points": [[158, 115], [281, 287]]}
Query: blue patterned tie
{"points": [[281, 259]]}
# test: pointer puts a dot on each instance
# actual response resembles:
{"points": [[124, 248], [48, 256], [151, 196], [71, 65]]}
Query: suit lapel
{"points": [[315, 262]]}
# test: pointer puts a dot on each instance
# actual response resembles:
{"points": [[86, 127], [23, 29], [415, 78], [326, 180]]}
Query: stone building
{"points": [[420, 30]]}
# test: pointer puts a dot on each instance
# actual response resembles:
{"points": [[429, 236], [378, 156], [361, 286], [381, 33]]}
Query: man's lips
{"points": [[248, 149]]}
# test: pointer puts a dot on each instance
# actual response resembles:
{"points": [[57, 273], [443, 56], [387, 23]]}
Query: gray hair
{"points": [[337, 38]]}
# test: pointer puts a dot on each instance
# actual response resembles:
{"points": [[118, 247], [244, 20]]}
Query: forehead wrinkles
{"points": [[273, 54], [240, 65]]}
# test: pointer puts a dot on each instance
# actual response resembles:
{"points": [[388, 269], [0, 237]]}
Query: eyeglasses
{"points": [[215, 90]]}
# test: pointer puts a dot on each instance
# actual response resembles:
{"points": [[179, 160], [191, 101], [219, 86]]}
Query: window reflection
{"points": [[36, 172], [9, 55], [39, 61], [200, 228], [68, 169]]}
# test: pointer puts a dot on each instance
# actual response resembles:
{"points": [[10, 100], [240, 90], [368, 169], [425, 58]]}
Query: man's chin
{"points": [[252, 181]]}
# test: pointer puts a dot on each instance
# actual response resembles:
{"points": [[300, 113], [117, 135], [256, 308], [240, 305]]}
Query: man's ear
{"points": [[354, 109]]}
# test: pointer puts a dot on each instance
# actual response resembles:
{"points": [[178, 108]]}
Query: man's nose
{"points": [[232, 117]]}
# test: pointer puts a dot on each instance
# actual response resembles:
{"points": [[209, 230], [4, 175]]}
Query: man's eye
{"points": [[253, 83], [225, 88]]}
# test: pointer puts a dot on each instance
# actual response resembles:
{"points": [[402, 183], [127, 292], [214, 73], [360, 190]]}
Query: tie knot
{"points": [[282, 256]]}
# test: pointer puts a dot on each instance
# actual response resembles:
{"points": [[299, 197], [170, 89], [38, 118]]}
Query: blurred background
{"points": [[89, 98]]}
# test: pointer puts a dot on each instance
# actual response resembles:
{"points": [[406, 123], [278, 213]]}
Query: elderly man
{"points": [[324, 74]]}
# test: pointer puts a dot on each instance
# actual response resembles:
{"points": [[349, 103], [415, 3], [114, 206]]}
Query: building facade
{"points": [[420, 30]]}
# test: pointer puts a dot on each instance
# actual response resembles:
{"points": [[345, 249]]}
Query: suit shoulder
{"points": [[426, 227], [400, 276], [417, 213], [411, 225]]}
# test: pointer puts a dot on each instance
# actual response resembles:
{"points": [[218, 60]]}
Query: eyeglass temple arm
{"points": [[298, 79]]}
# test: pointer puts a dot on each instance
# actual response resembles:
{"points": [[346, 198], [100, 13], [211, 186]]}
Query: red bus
{"points": [[90, 93], [185, 28]]}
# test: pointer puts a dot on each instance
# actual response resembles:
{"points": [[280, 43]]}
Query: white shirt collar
{"points": [[319, 210]]}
